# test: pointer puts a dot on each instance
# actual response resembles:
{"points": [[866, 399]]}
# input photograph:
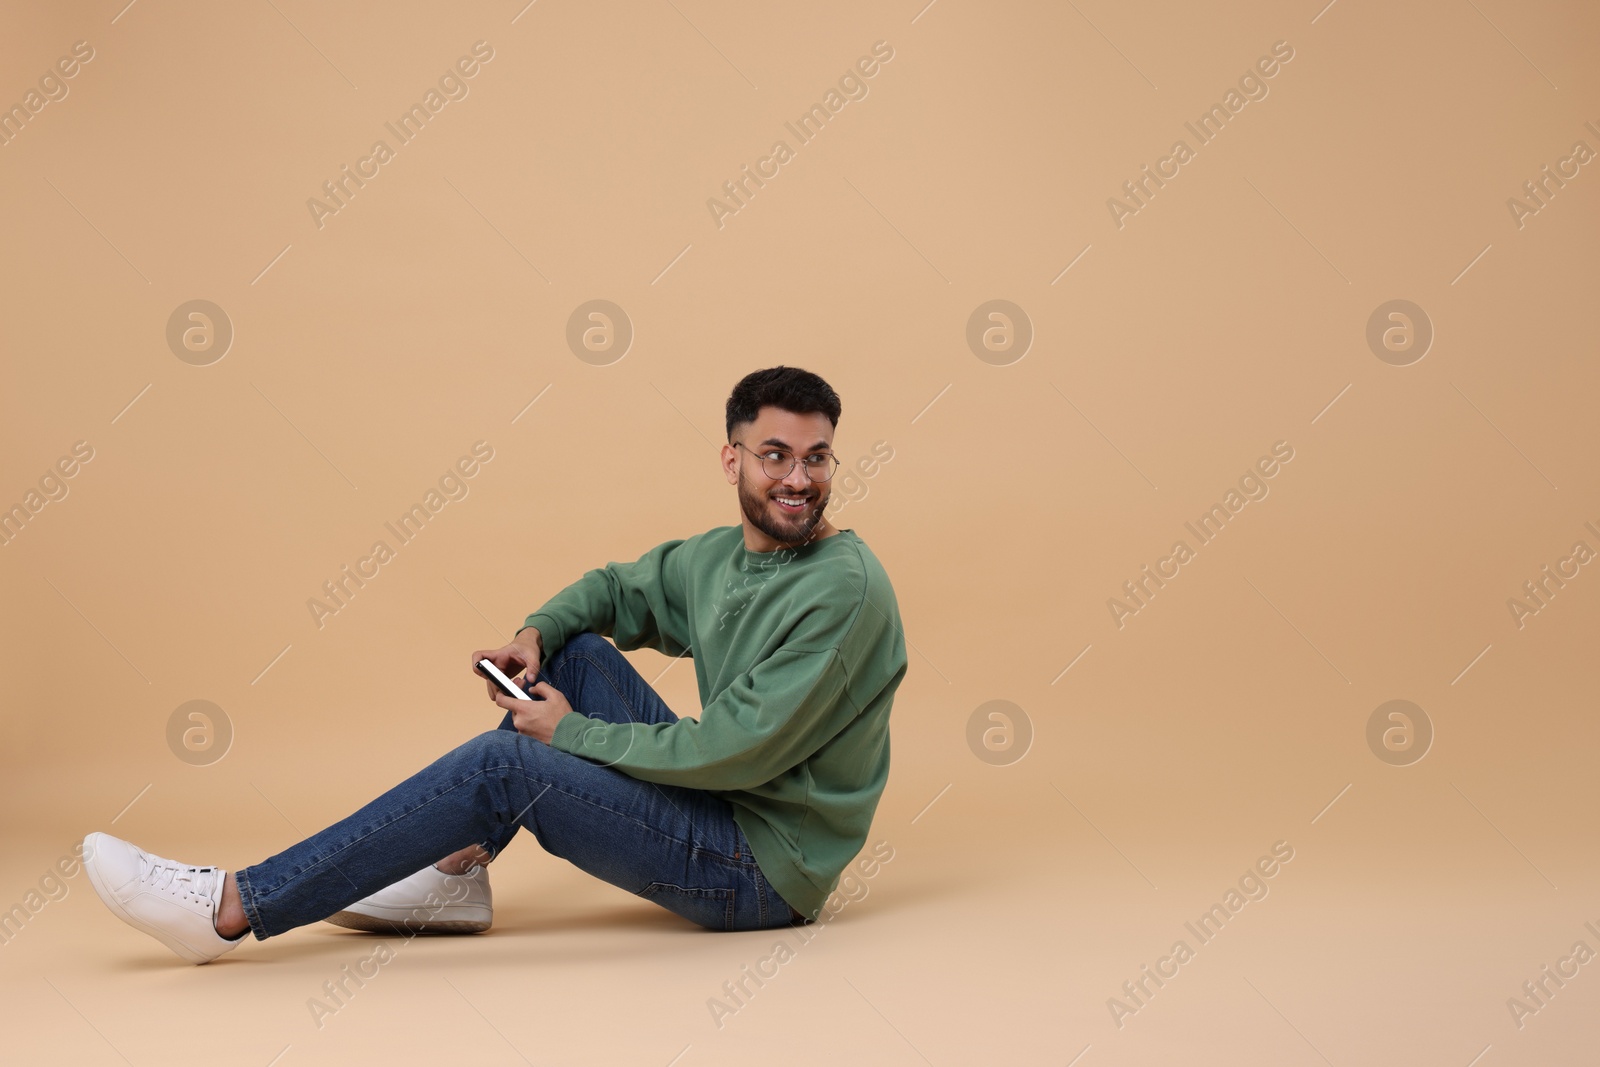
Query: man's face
{"points": [[762, 498]]}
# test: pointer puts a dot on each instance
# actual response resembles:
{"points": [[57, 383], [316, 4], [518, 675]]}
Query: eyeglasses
{"points": [[776, 463]]}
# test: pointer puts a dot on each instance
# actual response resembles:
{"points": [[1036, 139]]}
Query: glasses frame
{"points": [[793, 460]]}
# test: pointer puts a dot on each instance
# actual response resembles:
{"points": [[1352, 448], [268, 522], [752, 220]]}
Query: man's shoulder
{"points": [[853, 576], [717, 535], [864, 562]]}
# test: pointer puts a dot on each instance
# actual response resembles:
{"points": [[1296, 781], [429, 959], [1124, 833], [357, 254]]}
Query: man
{"points": [[743, 819]]}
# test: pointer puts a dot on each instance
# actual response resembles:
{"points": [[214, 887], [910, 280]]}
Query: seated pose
{"points": [[742, 819]]}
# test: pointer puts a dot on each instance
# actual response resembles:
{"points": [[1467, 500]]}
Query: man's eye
{"points": [[775, 457], [817, 460]]}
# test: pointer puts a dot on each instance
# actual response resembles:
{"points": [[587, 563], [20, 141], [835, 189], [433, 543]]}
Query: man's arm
{"points": [[764, 723], [639, 604]]}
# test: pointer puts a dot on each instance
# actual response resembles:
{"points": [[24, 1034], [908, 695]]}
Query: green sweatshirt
{"points": [[797, 652]]}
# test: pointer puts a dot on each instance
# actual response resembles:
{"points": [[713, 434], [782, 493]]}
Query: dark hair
{"points": [[790, 388]]}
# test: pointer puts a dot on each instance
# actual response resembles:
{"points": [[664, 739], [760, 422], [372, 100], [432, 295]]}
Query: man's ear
{"points": [[730, 464]]}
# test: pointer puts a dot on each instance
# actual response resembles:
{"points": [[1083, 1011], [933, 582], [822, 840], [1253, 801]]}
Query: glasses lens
{"points": [[777, 465]]}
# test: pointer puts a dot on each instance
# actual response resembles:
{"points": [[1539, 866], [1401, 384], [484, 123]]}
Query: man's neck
{"points": [[823, 531]]}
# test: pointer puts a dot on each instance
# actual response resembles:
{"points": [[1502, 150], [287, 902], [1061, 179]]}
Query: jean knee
{"points": [[584, 644], [493, 748]]}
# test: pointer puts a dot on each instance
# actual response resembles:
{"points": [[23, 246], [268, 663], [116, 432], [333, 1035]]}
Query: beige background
{"points": [[1165, 756]]}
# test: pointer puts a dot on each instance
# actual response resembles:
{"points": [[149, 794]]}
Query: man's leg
{"points": [[678, 847], [597, 681]]}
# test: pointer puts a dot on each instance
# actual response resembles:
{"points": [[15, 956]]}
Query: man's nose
{"points": [[797, 478]]}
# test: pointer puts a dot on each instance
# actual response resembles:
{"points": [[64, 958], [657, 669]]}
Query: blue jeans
{"points": [[677, 847]]}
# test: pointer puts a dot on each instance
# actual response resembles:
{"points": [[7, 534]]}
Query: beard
{"points": [[786, 529]]}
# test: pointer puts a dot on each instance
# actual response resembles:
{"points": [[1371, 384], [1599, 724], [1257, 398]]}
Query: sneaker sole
{"points": [[372, 924], [109, 899]]}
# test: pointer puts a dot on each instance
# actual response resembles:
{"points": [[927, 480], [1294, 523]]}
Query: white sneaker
{"points": [[172, 902], [428, 902]]}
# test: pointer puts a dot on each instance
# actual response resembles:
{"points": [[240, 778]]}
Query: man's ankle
{"points": [[456, 869], [230, 927], [464, 862], [230, 920]]}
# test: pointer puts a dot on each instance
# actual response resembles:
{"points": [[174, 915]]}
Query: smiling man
{"points": [[741, 819]]}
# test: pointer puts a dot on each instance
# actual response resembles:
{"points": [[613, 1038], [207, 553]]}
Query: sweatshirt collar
{"points": [[804, 551]]}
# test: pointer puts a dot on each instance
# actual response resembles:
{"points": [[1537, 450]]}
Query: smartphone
{"points": [[499, 678]]}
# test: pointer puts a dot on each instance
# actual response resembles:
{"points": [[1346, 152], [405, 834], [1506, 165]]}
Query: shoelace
{"points": [[164, 874]]}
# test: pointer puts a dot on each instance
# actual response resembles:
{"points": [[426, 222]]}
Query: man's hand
{"points": [[536, 718], [524, 653]]}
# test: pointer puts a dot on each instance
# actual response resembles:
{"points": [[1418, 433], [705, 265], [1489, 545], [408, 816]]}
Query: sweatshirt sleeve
{"points": [[765, 722], [638, 605]]}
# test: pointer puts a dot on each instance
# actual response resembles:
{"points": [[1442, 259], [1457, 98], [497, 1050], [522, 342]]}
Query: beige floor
{"points": [[998, 933]]}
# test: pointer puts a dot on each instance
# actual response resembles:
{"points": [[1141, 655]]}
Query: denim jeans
{"points": [[677, 847]]}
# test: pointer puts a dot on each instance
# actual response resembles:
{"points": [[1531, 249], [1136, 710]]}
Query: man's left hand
{"points": [[536, 718]]}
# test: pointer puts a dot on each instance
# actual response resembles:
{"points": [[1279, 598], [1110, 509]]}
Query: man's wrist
{"points": [[555, 724], [535, 641]]}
